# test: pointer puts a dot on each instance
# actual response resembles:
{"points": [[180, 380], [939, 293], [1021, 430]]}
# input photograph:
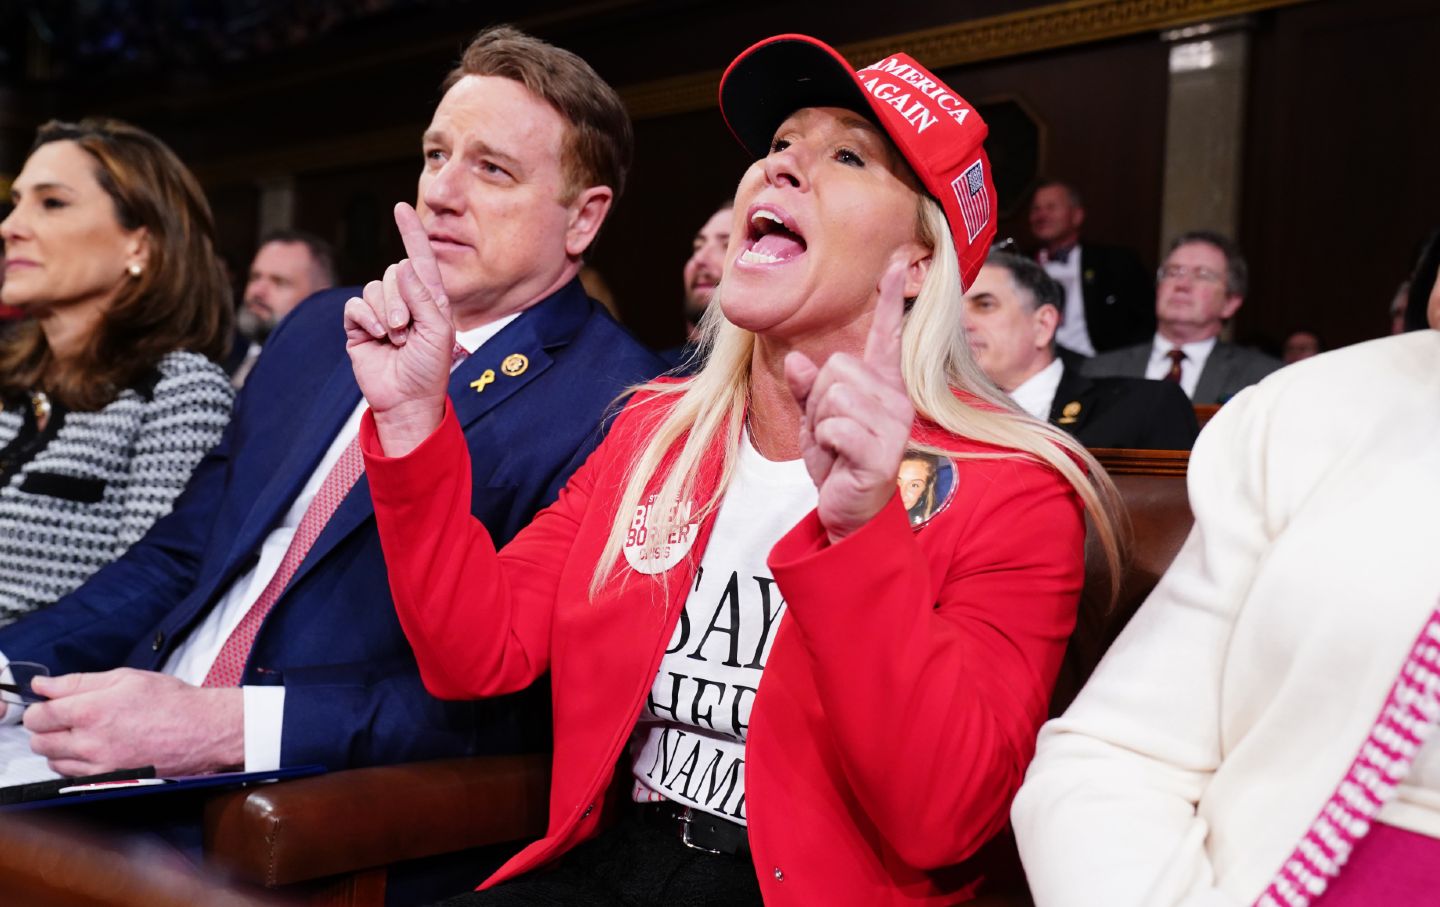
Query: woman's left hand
{"points": [[856, 418]]}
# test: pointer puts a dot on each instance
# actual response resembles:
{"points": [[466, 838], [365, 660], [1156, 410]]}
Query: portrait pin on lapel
{"points": [[927, 485], [514, 365], [485, 378]]}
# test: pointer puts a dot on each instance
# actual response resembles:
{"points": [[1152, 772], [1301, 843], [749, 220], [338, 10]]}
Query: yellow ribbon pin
{"points": [[485, 378], [1069, 413]]}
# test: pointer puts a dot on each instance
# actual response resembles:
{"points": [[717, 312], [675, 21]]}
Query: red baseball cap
{"points": [[939, 133]]}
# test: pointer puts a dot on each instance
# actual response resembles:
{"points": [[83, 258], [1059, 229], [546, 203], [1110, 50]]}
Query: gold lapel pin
{"points": [[485, 378], [514, 365], [1070, 411]]}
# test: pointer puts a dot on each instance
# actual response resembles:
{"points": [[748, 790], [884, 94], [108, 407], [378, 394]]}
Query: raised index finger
{"points": [[417, 249], [882, 346]]}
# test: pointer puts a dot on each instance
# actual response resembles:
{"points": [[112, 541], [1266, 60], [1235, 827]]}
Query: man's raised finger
{"points": [[417, 248]]}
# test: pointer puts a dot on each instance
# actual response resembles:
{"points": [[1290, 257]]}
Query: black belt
{"points": [[697, 829]]}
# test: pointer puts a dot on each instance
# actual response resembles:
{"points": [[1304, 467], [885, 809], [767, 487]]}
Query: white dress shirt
{"points": [[1037, 393], [1073, 333], [192, 658], [1190, 367]]}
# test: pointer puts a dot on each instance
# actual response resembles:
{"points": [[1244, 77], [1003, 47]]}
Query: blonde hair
{"points": [[935, 362]]}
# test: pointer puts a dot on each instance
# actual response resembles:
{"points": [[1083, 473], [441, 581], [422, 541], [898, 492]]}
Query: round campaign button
{"points": [[652, 548], [927, 485]]}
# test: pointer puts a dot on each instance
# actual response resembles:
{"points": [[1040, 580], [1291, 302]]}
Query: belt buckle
{"points": [[686, 818]]}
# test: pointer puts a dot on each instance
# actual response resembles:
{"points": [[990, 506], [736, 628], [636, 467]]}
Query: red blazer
{"points": [[899, 707]]}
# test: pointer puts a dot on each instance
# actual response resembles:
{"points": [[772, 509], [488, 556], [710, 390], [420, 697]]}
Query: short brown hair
{"points": [[181, 301], [600, 142]]}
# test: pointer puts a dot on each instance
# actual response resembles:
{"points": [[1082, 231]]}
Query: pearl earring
{"points": [[135, 269]]}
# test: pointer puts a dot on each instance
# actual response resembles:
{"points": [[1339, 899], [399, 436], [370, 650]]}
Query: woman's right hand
{"points": [[399, 336]]}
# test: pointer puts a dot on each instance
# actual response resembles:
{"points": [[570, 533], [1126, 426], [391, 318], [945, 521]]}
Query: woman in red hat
{"points": [[768, 685]]}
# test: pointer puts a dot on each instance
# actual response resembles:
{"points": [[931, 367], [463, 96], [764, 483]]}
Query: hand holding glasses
{"points": [[15, 683]]}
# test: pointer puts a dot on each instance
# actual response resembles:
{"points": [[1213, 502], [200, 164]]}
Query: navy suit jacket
{"points": [[353, 695]]}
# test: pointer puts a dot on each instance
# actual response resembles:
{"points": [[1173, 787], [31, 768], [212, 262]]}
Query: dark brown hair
{"points": [[181, 300], [600, 142]]}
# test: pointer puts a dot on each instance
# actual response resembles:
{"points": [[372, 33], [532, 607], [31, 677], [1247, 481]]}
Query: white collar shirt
{"points": [[1036, 394], [1073, 333]]}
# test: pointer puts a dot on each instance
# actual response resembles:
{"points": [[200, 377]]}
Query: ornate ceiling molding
{"points": [[1041, 28]]}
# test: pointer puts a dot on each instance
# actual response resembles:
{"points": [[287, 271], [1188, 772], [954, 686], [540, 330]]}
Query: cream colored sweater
{"points": [[1232, 706]]}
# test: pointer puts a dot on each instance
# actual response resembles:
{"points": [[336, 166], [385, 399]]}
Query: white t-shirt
{"points": [[689, 745]]}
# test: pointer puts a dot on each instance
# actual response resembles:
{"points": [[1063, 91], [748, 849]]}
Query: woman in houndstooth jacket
{"points": [[108, 394]]}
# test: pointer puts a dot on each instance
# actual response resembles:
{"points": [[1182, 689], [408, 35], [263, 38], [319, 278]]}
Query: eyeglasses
{"points": [[1180, 272], [15, 680]]}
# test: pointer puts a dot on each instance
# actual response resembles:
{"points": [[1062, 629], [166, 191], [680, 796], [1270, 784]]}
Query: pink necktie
{"points": [[229, 665]]}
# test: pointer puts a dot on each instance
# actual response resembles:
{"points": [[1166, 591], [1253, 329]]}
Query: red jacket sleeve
{"points": [[479, 622], [935, 654]]}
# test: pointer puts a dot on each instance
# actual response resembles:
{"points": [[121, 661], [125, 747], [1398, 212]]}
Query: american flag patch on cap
{"points": [[974, 200]]}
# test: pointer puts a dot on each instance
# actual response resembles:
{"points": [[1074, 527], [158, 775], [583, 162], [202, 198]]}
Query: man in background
{"points": [[702, 275], [289, 266], [1109, 300], [1012, 311], [1201, 286]]}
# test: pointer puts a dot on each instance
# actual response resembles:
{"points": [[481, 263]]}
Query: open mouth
{"points": [[772, 237]]}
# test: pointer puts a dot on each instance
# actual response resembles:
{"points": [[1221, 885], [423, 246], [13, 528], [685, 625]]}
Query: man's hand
{"points": [[126, 718], [400, 337], [856, 418]]}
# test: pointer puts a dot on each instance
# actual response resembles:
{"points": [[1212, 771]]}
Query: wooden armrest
{"points": [[310, 828]]}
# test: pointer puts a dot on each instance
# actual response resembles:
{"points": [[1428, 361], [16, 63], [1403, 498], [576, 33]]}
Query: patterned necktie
{"points": [[229, 665], [1176, 356]]}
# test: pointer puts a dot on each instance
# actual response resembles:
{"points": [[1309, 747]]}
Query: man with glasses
{"points": [[1201, 285]]}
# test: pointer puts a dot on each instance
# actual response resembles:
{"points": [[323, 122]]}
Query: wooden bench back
{"points": [[1152, 486]]}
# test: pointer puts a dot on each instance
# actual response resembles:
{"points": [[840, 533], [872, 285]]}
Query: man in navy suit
{"points": [[509, 199]]}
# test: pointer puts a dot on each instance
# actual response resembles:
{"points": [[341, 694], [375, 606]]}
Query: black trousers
{"points": [[630, 865]]}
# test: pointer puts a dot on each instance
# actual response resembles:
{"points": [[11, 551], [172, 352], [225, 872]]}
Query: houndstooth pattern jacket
{"points": [[103, 480]]}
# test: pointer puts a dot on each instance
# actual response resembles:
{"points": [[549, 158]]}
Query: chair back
{"points": [[1152, 486]]}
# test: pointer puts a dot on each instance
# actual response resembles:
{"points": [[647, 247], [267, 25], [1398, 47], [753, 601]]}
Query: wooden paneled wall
{"points": [[1338, 181]]}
